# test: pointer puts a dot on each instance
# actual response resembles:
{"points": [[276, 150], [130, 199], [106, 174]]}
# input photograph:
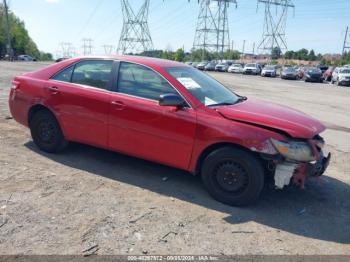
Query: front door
{"points": [[139, 126]]}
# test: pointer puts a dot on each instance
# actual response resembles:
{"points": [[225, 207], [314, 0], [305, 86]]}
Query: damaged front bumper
{"points": [[298, 172], [299, 160]]}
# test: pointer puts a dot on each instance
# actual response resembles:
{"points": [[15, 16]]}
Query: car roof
{"points": [[148, 61], [154, 63]]}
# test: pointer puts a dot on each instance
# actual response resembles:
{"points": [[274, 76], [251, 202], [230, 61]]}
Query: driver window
{"points": [[140, 81]]}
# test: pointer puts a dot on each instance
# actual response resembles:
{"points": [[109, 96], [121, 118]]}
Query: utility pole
{"points": [[135, 36], [9, 50], [254, 48], [275, 21], [212, 31], [87, 46], [243, 48], [346, 45]]}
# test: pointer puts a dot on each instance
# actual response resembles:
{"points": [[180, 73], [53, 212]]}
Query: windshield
{"points": [[237, 65], [207, 90], [314, 70], [289, 69], [250, 65], [345, 71], [269, 68]]}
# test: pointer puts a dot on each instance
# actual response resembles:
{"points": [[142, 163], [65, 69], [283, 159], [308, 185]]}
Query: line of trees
{"points": [[303, 54], [20, 40], [195, 55]]}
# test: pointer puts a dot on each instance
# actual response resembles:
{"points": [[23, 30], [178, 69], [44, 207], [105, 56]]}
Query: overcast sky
{"points": [[317, 24]]}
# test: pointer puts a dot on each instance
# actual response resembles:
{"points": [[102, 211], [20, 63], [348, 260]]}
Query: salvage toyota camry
{"points": [[172, 114]]}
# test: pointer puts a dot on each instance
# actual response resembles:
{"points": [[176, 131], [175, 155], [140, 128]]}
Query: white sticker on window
{"points": [[209, 101], [189, 83]]}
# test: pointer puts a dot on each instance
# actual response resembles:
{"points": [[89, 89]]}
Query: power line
{"points": [[135, 36]]}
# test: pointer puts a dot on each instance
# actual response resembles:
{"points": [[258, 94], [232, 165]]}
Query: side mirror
{"points": [[171, 100]]}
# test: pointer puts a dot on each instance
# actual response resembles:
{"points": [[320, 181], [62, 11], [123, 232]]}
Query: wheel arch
{"points": [[211, 148], [36, 108]]}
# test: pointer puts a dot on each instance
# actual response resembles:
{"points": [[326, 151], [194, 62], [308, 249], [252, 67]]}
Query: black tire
{"points": [[233, 176], [46, 132]]}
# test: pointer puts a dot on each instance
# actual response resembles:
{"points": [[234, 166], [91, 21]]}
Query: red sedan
{"points": [[172, 114]]}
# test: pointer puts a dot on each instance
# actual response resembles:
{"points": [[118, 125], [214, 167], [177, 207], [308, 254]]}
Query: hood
{"points": [[293, 122]]}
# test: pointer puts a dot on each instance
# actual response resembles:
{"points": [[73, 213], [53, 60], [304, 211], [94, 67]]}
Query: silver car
{"points": [[341, 76]]}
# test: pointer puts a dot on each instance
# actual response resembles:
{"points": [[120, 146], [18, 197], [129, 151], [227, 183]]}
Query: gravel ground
{"points": [[88, 197]]}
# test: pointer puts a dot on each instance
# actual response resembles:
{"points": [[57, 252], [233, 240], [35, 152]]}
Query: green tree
{"points": [[276, 53], [231, 55], [312, 55], [179, 55], [20, 39]]}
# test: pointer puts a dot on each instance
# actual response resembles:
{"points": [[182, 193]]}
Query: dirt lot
{"points": [[64, 204]]}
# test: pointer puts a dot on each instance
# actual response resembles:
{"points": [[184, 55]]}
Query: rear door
{"points": [[139, 126], [80, 97]]}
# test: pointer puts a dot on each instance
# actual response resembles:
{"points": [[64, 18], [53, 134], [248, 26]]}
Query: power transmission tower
{"points": [[87, 46], [66, 49], [212, 32], [9, 50], [135, 36], [108, 49], [346, 45], [275, 21]]}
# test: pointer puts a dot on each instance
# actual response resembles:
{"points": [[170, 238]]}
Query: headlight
{"points": [[294, 150], [307, 75]]}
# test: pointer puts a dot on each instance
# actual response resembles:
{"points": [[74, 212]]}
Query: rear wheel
{"points": [[46, 132], [233, 176]]}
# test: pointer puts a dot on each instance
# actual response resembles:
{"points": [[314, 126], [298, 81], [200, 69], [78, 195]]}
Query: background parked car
{"points": [[269, 71], [201, 65], [328, 74], [61, 59], [289, 73], [313, 74], [210, 66], [341, 76], [26, 58], [194, 64], [254, 69], [323, 68], [235, 68], [222, 67]]}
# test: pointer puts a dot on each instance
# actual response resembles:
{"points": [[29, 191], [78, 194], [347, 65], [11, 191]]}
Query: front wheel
{"points": [[233, 176], [46, 132]]}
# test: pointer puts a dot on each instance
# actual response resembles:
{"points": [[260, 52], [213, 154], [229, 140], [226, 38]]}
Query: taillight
{"points": [[15, 84]]}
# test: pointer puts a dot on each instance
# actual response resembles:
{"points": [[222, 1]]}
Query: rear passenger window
{"points": [[93, 73], [65, 75]]}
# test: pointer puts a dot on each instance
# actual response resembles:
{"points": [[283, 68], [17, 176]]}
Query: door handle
{"points": [[54, 90], [118, 105]]}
